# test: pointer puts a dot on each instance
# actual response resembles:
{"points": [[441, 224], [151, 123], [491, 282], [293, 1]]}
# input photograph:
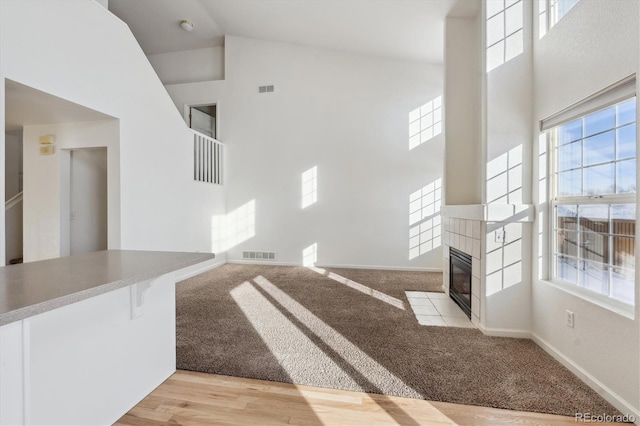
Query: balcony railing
{"points": [[208, 159]]}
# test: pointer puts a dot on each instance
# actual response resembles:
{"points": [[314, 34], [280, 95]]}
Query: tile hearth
{"points": [[437, 309]]}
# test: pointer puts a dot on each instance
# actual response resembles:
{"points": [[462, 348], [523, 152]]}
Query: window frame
{"points": [[553, 201], [551, 17]]}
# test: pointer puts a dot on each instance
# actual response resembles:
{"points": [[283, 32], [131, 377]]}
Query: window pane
{"points": [[599, 122], [595, 277], [626, 112], [567, 243], [623, 212], [626, 141], [570, 132], [594, 227], [624, 252], [570, 156], [594, 218], [567, 217], [626, 177], [569, 183], [594, 246], [623, 285], [567, 269], [495, 29], [599, 148], [598, 180]]}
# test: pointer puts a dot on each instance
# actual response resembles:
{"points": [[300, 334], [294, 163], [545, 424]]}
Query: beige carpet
{"points": [[354, 330]]}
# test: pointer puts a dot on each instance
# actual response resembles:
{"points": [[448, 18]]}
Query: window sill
{"points": [[620, 308]]}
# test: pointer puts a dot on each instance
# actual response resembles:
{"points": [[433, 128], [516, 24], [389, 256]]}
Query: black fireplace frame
{"points": [[462, 261]]}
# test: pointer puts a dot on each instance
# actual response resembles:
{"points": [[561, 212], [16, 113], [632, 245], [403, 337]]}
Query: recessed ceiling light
{"points": [[186, 25]]}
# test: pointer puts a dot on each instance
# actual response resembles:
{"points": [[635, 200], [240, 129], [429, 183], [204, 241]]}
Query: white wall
{"points": [[593, 46], [13, 163], [13, 219], [346, 115], [161, 207], [46, 211], [507, 169], [13, 234], [463, 111], [189, 66]]}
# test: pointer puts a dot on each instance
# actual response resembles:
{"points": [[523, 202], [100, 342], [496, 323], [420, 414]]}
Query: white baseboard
{"points": [[385, 268], [194, 270], [609, 395], [504, 332]]}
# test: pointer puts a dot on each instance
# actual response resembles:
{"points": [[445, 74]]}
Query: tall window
{"points": [[594, 202]]}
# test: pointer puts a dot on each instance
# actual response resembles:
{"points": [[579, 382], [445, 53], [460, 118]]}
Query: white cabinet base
{"points": [[89, 362]]}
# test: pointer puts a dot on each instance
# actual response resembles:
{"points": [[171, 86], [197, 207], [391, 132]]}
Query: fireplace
{"points": [[460, 279]]}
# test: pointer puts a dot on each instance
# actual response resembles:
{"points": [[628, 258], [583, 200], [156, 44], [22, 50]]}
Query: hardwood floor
{"points": [[190, 398]]}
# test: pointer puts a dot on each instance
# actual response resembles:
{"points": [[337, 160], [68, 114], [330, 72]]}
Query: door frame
{"points": [[186, 110], [65, 197]]}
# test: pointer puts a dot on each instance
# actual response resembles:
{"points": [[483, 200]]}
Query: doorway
{"points": [[13, 172], [86, 198], [202, 119]]}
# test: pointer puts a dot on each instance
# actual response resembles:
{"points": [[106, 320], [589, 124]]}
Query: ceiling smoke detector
{"points": [[186, 25]]}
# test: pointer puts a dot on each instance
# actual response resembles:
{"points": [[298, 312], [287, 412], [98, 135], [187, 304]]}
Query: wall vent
{"points": [[258, 255], [266, 89]]}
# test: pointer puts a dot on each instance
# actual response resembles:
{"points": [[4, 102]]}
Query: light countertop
{"points": [[32, 288]]}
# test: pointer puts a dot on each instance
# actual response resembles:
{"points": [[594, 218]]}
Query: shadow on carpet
{"points": [[354, 330]]}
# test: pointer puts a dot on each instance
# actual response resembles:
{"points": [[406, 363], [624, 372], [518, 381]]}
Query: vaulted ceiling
{"points": [[399, 29]]}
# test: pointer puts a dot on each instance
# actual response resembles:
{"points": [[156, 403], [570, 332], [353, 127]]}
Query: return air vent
{"points": [[266, 89], [259, 255]]}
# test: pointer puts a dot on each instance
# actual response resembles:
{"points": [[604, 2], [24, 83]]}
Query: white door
{"points": [[88, 196], [203, 122]]}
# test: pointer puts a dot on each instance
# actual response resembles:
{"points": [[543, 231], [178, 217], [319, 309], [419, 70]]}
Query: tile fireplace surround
{"points": [[500, 269]]}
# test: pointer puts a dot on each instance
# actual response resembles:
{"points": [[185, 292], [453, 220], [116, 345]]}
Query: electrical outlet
{"points": [[501, 236], [569, 319]]}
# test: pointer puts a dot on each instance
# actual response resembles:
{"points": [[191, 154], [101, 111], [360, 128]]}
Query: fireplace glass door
{"points": [[460, 279]]}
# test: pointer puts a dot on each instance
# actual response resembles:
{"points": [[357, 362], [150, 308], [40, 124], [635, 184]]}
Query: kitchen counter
{"points": [[95, 330], [33, 288]]}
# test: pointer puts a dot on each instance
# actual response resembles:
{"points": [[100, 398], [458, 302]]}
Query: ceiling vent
{"points": [[266, 89]]}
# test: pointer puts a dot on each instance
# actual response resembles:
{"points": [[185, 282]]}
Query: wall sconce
{"points": [[47, 144]]}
